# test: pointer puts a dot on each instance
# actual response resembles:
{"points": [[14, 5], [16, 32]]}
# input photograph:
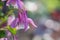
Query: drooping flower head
{"points": [[22, 17], [14, 22]]}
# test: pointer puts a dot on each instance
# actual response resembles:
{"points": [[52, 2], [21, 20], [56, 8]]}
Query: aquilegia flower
{"points": [[21, 19]]}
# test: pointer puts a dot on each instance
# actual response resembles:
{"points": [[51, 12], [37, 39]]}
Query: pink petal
{"points": [[23, 19], [14, 23], [5, 38], [20, 5], [8, 33], [31, 23], [10, 2], [10, 19]]}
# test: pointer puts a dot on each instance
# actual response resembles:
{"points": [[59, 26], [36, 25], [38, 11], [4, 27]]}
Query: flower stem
{"points": [[14, 37]]}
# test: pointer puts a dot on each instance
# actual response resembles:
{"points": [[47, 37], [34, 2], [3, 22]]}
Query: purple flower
{"points": [[10, 2], [14, 2], [14, 23], [22, 17], [10, 19]]}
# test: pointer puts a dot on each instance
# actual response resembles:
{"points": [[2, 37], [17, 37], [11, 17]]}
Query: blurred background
{"points": [[46, 15]]}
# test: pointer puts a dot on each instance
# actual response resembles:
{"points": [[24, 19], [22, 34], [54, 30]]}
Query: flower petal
{"points": [[31, 23], [23, 19], [10, 2], [14, 23], [20, 5], [10, 19]]}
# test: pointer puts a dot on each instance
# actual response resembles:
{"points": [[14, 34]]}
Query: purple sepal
{"points": [[14, 23]]}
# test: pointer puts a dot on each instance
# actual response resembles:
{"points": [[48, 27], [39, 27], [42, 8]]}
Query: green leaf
{"points": [[12, 30]]}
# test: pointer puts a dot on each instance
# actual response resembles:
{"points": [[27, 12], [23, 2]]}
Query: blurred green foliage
{"points": [[2, 33], [51, 4]]}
